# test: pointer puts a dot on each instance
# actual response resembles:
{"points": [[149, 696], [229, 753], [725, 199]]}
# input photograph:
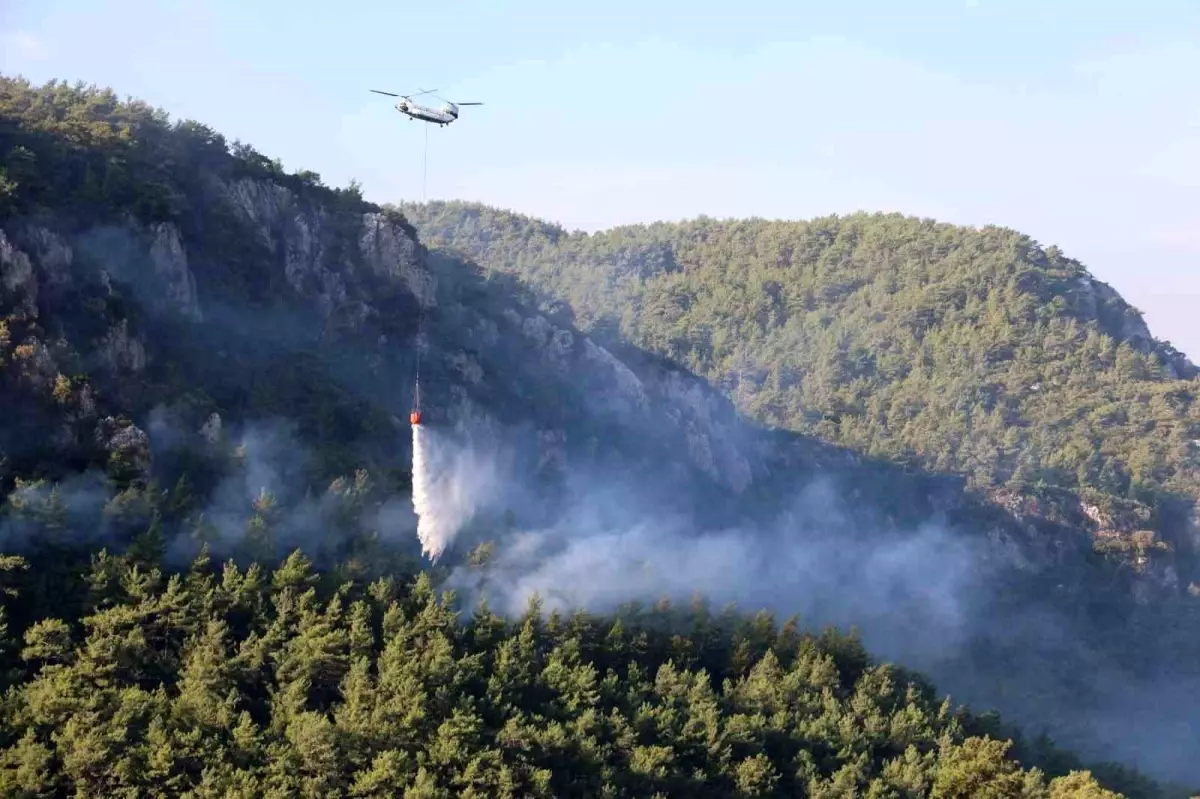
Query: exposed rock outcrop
{"points": [[389, 250], [121, 351], [127, 445], [669, 402], [629, 394], [53, 255], [1093, 299], [293, 232], [16, 276], [169, 259]]}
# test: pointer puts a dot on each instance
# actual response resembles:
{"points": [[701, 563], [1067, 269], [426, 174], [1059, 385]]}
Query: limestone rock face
{"points": [[16, 276], [170, 263], [388, 249], [127, 445]]}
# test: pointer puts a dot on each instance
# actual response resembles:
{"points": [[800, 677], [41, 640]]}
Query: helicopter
{"points": [[439, 116]]}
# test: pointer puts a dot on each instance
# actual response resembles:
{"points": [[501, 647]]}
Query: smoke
{"points": [[267, 503], [928, 595], [906, 591], [78, 508], [616, 535], [452, 480], [258, 493]]}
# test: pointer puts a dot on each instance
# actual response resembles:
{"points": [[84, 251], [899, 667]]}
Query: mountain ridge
{"points": [[1097, 299], [1126, 322]]}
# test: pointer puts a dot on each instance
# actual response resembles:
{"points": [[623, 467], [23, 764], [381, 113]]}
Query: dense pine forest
{"points": [[256, 682], [296, 648]]}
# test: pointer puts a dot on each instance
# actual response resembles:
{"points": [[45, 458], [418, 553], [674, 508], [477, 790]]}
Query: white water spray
{"points": [[433, 538], [451, 481]]}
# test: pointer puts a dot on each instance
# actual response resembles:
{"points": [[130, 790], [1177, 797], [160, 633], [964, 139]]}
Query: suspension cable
{"points": [[425, 163], [425, 266]]}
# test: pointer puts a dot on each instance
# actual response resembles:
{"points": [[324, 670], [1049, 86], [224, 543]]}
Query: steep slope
{"points": [[975, 352], [204, 349]]}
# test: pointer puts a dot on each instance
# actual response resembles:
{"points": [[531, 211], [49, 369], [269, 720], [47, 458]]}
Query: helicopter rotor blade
{"points": [[444, 100], [406, 96]]}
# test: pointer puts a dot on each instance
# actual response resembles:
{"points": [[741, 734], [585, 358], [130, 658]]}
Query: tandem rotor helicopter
{"points": [[439, 116]]}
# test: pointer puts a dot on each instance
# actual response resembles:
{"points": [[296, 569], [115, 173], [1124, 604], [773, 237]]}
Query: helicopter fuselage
{"points": [[425, 114]]}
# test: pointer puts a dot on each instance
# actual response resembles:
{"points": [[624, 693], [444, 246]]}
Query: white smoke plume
{"points": [[907, 591], [451, 481]]}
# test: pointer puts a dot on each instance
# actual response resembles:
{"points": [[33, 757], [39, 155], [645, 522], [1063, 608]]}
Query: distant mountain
{"points": [[200, 353], [972, 352]]}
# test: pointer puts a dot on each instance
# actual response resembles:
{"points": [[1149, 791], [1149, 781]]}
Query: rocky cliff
{"points": [[87, 307]]}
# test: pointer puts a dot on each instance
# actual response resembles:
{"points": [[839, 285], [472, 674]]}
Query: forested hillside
{"points": [[976, 352], [230, 682], [205, 367]]}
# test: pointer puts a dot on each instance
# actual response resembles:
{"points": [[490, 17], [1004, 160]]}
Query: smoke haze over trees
{"points": [[209, 365]]}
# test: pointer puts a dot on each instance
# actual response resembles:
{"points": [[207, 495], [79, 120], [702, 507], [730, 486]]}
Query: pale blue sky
{"points": [[1076, 122]]}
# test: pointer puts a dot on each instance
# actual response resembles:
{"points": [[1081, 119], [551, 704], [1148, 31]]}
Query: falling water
{"points": [[430, 528]]}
